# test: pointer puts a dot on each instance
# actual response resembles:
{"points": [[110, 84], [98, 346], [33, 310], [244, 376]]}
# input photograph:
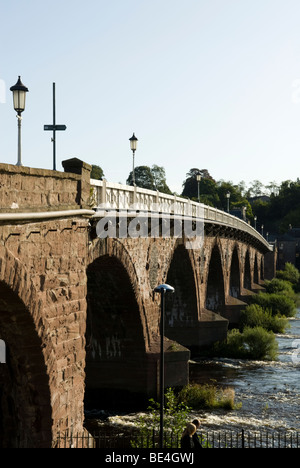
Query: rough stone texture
{"points": [[78, 310], [25, 189], [43, 271]]}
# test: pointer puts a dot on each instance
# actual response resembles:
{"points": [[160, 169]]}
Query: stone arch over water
{"points": [[247, 272], [215, 293], [115, 342], [235, 275], [25, 400], [182, 306]]}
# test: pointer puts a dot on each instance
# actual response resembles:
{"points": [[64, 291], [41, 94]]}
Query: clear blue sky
{"points": [[212, 84]]}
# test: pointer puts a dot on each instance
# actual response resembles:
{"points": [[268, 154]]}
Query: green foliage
{"points": [[253, 343], [143, 178], [278, 304], [290, 273], [175, 420], [97, 172], [207, 397], [150, 178], [255, 316], [279, 286], [282, 209]]}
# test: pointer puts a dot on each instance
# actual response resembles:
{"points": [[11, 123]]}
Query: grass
{"points": [[207, 396]]}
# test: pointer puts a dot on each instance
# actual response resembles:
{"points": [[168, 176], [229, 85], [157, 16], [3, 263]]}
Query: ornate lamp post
{"points": [[199, 177], [133, 145], [19, 97], [228, 201], [162, 289]]}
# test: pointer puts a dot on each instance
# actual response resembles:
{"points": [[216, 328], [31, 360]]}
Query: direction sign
{"points": [[55, 127]]}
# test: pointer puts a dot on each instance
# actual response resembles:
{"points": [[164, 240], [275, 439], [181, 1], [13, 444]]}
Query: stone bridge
{"points": [[78, 316]]}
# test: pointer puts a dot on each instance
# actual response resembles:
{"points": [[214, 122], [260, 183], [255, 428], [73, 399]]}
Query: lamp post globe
{"points": [[19, 100]]}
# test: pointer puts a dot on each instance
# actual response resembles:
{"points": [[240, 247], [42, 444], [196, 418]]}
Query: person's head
{"points": [[196, 422], [190, 429]]}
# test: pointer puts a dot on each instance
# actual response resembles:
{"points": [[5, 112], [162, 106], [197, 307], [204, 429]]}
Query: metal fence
{"points": [[210, 439]]}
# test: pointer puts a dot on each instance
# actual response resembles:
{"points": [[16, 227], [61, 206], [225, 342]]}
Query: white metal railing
{"points": [[107, 196]]}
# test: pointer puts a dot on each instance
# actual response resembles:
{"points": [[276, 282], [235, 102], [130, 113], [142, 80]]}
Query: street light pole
{"points": [[133, 145], [162, 289], [228, 201], [198, 180], [19, 97]]}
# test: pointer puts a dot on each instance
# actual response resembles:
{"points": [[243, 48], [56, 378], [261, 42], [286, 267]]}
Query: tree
{"points": [[190, 185], [159, 176], [97, 173], [151, 179], [256, 188], [143, 178]]}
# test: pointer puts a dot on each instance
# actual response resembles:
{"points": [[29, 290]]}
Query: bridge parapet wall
{"points": [[26, 189], [107, 197]]}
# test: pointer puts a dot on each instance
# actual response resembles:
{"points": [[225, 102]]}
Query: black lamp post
{"points": [[162, 289], [198, 177], [228, 201], [19, 98], [133, 145]]}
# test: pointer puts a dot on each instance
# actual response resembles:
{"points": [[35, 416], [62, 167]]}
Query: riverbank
{"points": [[268, 391]]}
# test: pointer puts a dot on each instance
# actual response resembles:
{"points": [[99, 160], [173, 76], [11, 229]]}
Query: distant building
{"points": [[289, 248]]}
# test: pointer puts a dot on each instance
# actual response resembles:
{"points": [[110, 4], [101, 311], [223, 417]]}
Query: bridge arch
{"points": [[247, 272], [25, 400], [115, 339], [182, 306], [256, 271], [215, 291], [235, 275]]}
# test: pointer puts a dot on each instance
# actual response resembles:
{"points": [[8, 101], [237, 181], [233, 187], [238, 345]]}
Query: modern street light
{"points": [[133, 145], [19, 97], [228, 201], [199, 177], [162, 289], [262, 230], [255, 219]]}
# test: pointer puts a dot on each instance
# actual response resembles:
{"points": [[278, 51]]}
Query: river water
{"points": [[269, 392]]}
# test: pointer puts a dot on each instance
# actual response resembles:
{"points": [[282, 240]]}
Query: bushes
{"points": [[207, 397], [278, 304], [255, 316], [291, 274], [267, 314], [253, 343], [279, 286], [176, 415]]}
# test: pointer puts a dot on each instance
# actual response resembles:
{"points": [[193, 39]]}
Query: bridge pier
{"points": [[130, 382], [79, 313]]}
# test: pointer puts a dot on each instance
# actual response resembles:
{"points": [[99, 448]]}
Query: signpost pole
{"points": [[54, 131], [54, 128]]}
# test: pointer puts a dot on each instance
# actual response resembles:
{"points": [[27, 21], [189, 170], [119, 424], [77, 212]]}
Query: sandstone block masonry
{"points": [[25, 189], [42, 303]]}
